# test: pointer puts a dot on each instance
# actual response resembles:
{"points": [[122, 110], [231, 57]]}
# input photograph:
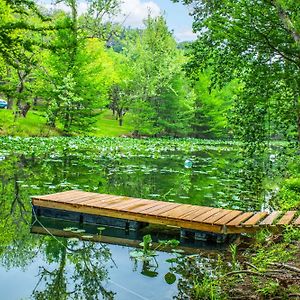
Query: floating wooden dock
{"points": [[184, 216]]}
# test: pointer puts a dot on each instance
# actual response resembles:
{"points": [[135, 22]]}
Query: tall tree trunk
{"points": [[25, 109], [120, 116]]}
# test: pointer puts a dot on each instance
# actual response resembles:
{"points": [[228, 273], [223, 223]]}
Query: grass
{"points": [[35, 125], [108, 126]]}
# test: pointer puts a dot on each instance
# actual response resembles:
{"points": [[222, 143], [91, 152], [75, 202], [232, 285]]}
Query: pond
{"points": [[51, 267]]}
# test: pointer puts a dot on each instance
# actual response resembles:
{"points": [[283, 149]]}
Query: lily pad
{"points": [[170, 278], [70, 229], [87, 237]]}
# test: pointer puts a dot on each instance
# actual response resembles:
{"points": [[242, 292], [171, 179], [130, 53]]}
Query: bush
{"points": [[289, 195]]}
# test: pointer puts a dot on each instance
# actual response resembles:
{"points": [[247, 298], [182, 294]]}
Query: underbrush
{"points": [[269, 268]]}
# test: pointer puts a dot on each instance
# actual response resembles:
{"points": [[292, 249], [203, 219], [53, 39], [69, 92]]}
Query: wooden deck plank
{"points": [[287, 218], [239, 219], [297, 221], [271, 218], [206, 215], [255, 219], [229, 217], [214, 218], [186, 216], [159, 206], [62, 196], [141, 209], [131, 216], [137, 206], [118, 205], [109, 202], [88, 200], [195, 213], [58, 194], [178, 211], [99, 201], [163, 210], [126, 206], [79, 195]]}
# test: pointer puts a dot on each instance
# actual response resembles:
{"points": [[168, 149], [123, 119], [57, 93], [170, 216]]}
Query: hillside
{"points": [[35, 125]]}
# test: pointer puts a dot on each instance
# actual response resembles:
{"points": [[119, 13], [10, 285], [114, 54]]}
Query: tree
{"points": [[122, 91], [74, 72], [17, 29], [257, 42], [161, 105], [212, 107], [21, 28], [75, 94]]}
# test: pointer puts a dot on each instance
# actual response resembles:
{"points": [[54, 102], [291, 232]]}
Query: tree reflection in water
{"points": [[80, 271]]}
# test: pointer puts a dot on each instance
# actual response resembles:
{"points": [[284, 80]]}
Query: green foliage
{"points": [[147, 253], [170, 278], [292, 184], [22, 29], [207, 289], [212, 107], [262, 236], [19, 33], [274, 253], [257, 43], [74, 81], [200, 279], [162, 104], [291, 235], [269, 288], [146, 244], [234, 252], [288, 197]]}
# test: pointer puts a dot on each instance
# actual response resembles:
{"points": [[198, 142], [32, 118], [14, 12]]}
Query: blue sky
{"points": [[178, 18], [133, 12], [177, 15]]}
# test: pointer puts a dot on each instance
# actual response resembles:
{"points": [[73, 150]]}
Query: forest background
{"points": [[65, 73]]}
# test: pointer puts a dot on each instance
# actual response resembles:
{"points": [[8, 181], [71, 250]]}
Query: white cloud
{"points": [[185, 35], [81, 8], [51, 6], [133, 12]]}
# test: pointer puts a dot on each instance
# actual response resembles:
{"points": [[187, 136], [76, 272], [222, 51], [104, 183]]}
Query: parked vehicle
{"points": [[3, 103]]}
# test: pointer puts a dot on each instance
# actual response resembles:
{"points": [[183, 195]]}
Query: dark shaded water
{"points": [[46, 267]]}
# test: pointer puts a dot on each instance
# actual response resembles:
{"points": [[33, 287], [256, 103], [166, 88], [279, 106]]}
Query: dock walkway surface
{"points": [[202, 218]]}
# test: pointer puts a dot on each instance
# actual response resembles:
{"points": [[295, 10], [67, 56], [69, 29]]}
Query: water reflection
{"points": [[81, 270], [214, 180]]}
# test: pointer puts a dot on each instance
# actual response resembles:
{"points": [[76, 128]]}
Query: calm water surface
{"points": [[37, 266]]}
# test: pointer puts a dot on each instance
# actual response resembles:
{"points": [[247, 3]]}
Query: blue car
{"points": [[3, 104]]}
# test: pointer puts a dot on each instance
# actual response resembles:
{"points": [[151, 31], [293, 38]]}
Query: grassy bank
{"points": [[35, 125]]}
